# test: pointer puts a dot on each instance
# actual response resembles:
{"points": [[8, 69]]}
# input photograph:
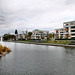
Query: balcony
{"points": [[72, 25], [66, 25], [73, 36], [72, 28], [72, 32], [65, 33]]}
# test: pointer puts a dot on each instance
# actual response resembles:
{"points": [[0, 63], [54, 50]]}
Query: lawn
{"points": [[58, 42]]}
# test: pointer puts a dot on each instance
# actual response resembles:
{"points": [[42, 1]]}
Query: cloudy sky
{"points": [[35, 14]]}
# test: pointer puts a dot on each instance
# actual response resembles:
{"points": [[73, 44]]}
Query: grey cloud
{"points": [[70, 2], [36, 14]]}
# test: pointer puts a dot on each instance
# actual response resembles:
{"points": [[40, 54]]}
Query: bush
{"points": [[58, 42], [0, 52], [4, 49]]}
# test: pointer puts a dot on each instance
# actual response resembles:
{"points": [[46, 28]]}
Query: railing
{"points": [[72, 25], [72, 32]]}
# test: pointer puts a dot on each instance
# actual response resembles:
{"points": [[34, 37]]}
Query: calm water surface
{"points": [[29, 59]]}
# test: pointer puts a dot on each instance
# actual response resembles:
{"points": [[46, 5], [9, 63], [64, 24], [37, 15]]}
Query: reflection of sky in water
{"points": [[29, 59]]}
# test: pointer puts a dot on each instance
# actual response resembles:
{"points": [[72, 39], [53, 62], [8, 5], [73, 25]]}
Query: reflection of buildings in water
{"points": [[70, 50], [1, 41], [1, 38]]}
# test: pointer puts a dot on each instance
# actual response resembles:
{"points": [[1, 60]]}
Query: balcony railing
{"points": [[72, 32], [73, 36], [72, 28], [66, 25], [72, 25]]}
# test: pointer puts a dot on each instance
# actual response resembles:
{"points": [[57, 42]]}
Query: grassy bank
{"points": [[3, 50], [58, 42], [65, 42], [22, 41]]}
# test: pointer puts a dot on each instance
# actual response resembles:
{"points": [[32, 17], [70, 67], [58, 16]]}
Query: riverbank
{"points": [[4, 53], [48, 44]]}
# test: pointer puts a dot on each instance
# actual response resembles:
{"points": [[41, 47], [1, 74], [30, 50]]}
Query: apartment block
{"points": [[59, 33], [39, 34], [68, 31]]}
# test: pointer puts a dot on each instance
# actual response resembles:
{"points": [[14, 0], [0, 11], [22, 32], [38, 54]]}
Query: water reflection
{"points": [[29, 59], [70, 50]]}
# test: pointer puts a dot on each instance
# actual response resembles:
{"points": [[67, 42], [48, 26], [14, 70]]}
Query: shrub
{"points": [[3, 49]]}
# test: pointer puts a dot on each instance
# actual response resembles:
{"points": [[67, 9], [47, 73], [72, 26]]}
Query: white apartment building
{"points": [[39, 34], [59, 33], [68, 31], [21, 36]]}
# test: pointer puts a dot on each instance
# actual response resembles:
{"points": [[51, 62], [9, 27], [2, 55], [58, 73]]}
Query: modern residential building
{"points": [[21, 37], [59, 33], [68, 31], [39, 34]]}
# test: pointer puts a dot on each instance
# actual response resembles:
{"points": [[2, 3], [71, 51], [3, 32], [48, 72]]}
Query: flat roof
{"points": [[59, 28], [69, 21]]}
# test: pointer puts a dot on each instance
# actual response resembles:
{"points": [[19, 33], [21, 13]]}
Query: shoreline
{"points": [[4, 53], [4, 50], [48, 44]]}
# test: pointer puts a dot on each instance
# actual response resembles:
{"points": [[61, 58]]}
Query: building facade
{"points": [[39, 34], [68, 31], [59, 33], [21, 37]]}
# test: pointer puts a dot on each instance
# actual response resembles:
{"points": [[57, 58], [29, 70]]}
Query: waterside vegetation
{"points": [[65, 42], [62, 42], [4, 50]]}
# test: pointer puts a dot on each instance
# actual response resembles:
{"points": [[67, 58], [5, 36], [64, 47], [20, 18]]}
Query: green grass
{"points": [[24, 41], [58, 42]]}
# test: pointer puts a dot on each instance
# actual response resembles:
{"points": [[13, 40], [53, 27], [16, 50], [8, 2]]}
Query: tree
{"points": [[61, 37], [29, 34], [51, 36], [16, 32], [5, 37], [8, 37], [42, 37]]}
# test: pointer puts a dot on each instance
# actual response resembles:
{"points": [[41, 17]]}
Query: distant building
{"points": [[68, 30], [59, 33], [39, 34], [21, 36]]}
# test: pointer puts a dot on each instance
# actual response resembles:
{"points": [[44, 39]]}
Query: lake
{"points": [[30, 59]]}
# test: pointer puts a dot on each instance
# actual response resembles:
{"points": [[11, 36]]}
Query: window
{"points": [[71, 23], [66, 24]]}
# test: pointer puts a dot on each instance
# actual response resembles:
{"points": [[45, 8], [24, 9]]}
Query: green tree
{"points": [[51, 36], [42, 37], [61, 37], [5, 37], [8, 37], [16, 32], [29, 34]]}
